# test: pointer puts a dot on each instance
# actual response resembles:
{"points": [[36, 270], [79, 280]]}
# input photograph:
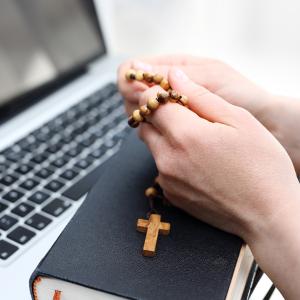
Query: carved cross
{"points": [[152, 227]]}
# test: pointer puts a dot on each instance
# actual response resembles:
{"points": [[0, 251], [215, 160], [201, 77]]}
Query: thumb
{"points": [[201, 101]]}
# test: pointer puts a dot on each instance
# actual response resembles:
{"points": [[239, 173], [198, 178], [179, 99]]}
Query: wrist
{"points": [[284, 212], [281, 117], [276, 247]]}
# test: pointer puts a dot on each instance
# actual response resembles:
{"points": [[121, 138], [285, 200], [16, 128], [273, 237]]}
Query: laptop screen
{"points": [[42, 40]]}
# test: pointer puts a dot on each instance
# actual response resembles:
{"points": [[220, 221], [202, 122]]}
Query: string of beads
{"points": [[154, 193], [139, 115]]}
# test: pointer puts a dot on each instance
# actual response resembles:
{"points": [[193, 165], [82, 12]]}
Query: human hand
{"points": [[216, 76], [218, 163], [279, 115]]}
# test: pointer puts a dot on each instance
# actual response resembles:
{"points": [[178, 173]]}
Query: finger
{"points": [[201, 100], [147, 67], [171, 118], [173, 60], [151, 137], [129, 89], [203, 70]]}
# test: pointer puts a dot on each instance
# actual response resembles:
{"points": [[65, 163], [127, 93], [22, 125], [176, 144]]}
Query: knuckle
{"points": [[199, 91], [148, 93], [164, 165], [182, 137], [242, 112]]}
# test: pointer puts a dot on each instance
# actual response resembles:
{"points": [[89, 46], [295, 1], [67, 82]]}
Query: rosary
{"points": [[153, 226]]}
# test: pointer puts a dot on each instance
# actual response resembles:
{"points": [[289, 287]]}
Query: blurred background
{"points": [[259, 38]]}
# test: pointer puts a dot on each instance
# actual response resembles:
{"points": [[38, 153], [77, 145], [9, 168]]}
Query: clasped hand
{"points": [[216, 160]]}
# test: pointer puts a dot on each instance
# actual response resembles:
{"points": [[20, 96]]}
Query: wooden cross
{"points": [[152, 227]]}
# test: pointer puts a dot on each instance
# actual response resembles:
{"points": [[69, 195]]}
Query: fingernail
{"points": [[139, 65], [180, 75]]}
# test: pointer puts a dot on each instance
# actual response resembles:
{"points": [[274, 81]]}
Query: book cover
{"points": [[101, 250]]}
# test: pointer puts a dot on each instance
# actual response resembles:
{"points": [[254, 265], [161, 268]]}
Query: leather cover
{"points": [[101, 249]]}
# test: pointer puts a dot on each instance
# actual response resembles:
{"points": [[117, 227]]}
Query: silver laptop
{"points": [[61, 119]]}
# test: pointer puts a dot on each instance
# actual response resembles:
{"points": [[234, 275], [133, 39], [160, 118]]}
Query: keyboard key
{"points": [[29, 144], [54, 185], [23, 209], [54, 148], [7, 249], [59, 162], [21, 235], [67, 138], [29, 184], [44, 173], [56, 207], [39, 197], [98, 152], [8, 179], [75, 151], [4, 166], [3, 207], [39, 158], [88, 141], [84, 163], [38, 221], [42, 136], [69, 174], [13, 196], [15, 156], [7, 222], [24, 169]]}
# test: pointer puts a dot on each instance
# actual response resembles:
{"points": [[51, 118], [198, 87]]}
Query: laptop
{"points": [[61, 118]]}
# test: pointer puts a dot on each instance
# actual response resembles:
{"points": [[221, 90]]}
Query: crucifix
{"points": [[152, 227]]}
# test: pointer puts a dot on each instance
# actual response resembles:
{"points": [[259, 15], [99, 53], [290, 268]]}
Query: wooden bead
{"points": [[151, 192], [145, 111], [157, 78], [139, 75], [132, 123], [148, 77], [130, 74], [152, 104], [183, 100], [174, 95], [162, 97], [165, 84], [137, 116]]}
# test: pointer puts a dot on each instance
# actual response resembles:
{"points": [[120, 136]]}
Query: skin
{"points": [[220, 164], [280, 115]]}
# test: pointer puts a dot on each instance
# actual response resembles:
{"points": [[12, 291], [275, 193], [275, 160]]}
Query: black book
{"points": [[99, 254]]}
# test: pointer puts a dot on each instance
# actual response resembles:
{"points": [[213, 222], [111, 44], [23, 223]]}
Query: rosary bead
{"points": [[162, 97], [139, 75], [152, 104], [145, 111], [132, 123], [183, 100], [137, 116], [157, 78], [174, 95], [151, 192], [148, 77], [165, 84], [130, 74]]}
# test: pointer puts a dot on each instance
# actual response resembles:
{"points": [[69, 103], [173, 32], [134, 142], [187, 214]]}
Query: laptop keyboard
{"points": [[46, 172]]}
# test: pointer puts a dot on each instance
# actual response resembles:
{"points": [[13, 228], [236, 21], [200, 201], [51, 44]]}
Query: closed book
{"points": [[99, 254]]}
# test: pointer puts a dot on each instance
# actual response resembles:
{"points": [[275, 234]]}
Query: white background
{"points": [[259, 38]]}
